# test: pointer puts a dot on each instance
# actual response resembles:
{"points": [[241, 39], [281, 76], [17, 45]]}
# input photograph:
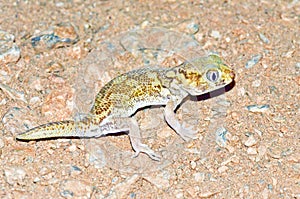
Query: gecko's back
{"points": [[123, 95]]}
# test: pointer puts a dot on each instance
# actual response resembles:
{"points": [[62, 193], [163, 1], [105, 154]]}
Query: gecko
{"points": [[117, 102]]}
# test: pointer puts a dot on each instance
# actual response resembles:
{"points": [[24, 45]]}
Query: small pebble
{"points": [[263, 38], [76, 188], [252, 151], [179, 193], [9, 51], [34, 100], [199, 177], [258, 108], [284, 129], [75, 168], [61, 35], [253, 61], [192, 28], [189, 27], [215, 34], [256, 83], [222, 169], [258, 132], [220, 136], [251, 141], [36, 179], [72, 148], [193, 164], [234, 115], [1, 143]]}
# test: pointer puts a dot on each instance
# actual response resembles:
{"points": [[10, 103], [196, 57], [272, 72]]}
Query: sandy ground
{"points": [[248, 138]]}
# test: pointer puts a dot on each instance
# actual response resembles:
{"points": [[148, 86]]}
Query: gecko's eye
{"points": [[212, 75]]}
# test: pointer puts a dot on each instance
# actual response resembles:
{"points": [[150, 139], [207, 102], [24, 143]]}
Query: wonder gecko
{"points": [[119, 99]]}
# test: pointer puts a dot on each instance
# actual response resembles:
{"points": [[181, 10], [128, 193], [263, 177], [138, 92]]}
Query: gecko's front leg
{"points": [[185, 132]]}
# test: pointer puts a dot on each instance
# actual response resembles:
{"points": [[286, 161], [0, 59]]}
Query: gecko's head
{"points": [[206, 74]]}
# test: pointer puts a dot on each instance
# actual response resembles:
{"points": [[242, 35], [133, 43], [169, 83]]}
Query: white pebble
{"points": [[222, 169], [215, 34], [252, 151], [256, 83], [193, 164], [1, 143], [199, 177], [250, 141]]}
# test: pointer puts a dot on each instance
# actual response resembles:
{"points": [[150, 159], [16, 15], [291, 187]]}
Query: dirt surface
{"points": [[55, 56]]}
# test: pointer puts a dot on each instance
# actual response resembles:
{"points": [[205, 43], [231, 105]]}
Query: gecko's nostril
{"points": [[232, 75]]}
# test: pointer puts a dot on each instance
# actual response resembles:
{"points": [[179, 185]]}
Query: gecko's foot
{"points": [[187, 133], [145, 149]]}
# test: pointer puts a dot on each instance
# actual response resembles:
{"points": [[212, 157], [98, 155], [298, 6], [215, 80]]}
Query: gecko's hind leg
{"points": [[132, 126]]}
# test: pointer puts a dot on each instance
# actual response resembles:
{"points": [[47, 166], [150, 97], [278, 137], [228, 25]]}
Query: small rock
{"points": [[284, 129], [252, 151], [75, 168], [189, 27], [179, 193], [253, 61], [193, 164], [215, 34], [61, 35], [234, 115], [256, 83], [263, 38], [72, 148], [34, 100], [221, 136], [250, 141], [199, 177], [192, 28], [258, 132], [9, 51], [1, 143], [36, 179], [14, 175], [258, 108], [222, 169], [75, 188]]}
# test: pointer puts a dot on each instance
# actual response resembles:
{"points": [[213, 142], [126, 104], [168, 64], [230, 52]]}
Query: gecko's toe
{"points": [[187, 133], [145, 149]]}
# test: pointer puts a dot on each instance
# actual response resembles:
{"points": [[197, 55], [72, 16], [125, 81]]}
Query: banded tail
{"points": [[51, 130]]}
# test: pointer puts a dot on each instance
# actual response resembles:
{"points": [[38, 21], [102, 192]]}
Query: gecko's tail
{"points": [[50, 130]]}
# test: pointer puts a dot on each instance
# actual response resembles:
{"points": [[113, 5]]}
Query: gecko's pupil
{"points": [[212, 75]]}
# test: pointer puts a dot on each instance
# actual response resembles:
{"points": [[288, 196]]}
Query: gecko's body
{"points": [[118, 100]]}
